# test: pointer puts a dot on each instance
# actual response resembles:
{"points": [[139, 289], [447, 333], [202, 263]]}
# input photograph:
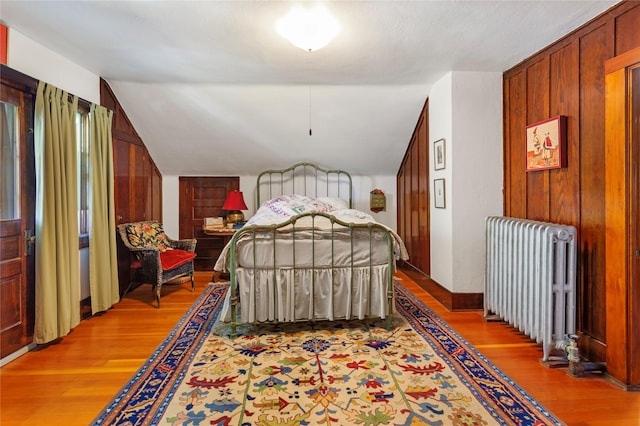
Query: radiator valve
{"points": [[577, 367], [572, 350]]}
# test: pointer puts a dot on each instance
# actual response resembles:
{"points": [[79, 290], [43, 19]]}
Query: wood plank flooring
{"points": [[69, 383]]}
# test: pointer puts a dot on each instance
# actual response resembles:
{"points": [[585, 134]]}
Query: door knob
{"points": [[29, 242]]}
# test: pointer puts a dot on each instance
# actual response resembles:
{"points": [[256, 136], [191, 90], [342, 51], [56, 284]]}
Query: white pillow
{"points": [[335, 203]]}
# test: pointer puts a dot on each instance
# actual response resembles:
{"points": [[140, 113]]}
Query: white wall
{"points": [[441, 226], [477, 174], [362, 186], [35, 60], [465, 108]]}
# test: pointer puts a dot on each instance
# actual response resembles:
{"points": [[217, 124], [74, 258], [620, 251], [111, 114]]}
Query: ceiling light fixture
{"points": [[308, 28]]}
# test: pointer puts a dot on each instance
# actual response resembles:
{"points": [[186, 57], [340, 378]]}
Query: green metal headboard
{"points": [[305, 179]]}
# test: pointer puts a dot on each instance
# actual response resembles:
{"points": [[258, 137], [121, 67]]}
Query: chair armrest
{"points": [[186, 244], [151, 267], [149, 257]]}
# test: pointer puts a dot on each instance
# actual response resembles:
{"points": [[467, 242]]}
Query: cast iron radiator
{"points": [[530, 277]]}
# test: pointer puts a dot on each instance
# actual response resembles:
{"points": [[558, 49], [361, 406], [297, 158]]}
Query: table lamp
{"points": [[234, 203]]}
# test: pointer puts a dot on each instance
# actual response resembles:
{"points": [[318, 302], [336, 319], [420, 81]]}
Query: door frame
{"points": [[23, 333], [622, 181]]}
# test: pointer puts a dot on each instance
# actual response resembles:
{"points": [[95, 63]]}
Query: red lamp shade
{"points": [[234, 201]]}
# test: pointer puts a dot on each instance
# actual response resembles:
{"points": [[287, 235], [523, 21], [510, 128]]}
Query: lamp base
{"points": [[235, 216]]}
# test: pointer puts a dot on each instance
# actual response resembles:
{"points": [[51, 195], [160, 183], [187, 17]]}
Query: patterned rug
{"points": [[343, 373]]}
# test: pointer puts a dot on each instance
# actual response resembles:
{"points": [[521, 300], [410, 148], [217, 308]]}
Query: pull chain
{"points": [[310, 132], [309, 83]]}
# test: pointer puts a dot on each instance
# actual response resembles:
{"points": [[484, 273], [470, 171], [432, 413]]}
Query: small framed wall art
{"points": [[439, 194], [439, 157], [547, 144]]}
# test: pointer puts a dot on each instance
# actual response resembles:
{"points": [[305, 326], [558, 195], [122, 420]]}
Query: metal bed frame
{"points": [[305, 174]]}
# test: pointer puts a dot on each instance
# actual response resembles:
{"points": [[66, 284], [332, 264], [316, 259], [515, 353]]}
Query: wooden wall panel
{"points": [[406, 213], [156, 190], [413, 196], [567, 78], [537, 96], [400, 204], [627, 31], [415, 212], [591, 256], [137, 183], [564, 189], [514, 147], [137, 180], [423, 193]]}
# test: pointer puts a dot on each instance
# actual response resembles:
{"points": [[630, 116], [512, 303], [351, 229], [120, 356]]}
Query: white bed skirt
{"points": [[304, 252], [295, 296]]}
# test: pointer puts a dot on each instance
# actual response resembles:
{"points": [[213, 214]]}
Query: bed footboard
{"points": [[304, 268]]}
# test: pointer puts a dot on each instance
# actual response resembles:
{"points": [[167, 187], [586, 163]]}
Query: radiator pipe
{"points": [[577, 367]]}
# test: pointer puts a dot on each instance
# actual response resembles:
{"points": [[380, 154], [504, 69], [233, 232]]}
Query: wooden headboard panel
{"points": [[304, 179]]}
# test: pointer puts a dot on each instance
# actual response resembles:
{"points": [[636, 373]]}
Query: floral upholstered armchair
{"points": [[158, 258]]}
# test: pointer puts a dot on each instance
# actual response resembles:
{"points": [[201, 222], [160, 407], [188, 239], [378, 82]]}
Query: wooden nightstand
{"points": [[221, 232], [227, 233]]}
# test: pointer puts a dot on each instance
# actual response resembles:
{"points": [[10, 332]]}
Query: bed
{"points": [[307, 255]]}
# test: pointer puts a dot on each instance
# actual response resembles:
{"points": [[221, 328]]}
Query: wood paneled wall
{"points": [[413, 196], [567, 78], [137, 180]]}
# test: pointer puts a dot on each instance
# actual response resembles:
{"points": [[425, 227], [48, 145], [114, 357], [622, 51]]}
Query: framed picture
{"points": [[439, 154], [547, 144], [438, 193]]}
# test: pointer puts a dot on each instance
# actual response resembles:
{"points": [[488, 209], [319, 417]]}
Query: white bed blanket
{"points": [[280, 209]]}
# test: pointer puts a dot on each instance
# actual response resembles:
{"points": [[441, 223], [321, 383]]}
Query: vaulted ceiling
{"points": [[213, 89]]}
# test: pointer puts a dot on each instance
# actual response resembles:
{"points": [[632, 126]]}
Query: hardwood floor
{"points": [[69, 383]]}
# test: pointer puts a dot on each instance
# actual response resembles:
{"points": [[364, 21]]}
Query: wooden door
{"points": [[17, 212], [622, 175], [202, 197]]}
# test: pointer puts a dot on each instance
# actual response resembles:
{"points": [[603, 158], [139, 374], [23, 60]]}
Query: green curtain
{"points": [[103, 266], [57, 255]]}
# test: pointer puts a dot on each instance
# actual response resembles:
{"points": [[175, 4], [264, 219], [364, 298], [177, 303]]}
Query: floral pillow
{"points": [[147, 235]]}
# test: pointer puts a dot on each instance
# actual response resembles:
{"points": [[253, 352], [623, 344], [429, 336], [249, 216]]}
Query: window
{"points": [[9, 162], [82, 136]]}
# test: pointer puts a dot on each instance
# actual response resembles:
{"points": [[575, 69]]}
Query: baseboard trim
{"points": [[452, 301], [17, 354]]}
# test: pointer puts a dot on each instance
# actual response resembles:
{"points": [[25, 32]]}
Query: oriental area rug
{"points": [[420, 372]]}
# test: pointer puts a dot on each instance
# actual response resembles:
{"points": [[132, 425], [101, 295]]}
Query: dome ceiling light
{"points": [[308, 28]]}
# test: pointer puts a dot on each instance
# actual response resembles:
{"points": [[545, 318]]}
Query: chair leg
{"points": [[127, 290], [193, 284], [158, 287]]}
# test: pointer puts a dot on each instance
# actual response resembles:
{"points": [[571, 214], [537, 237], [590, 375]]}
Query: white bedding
{"points": [[355, 287], [281, 209]]}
